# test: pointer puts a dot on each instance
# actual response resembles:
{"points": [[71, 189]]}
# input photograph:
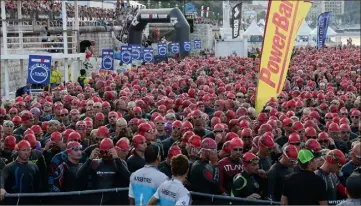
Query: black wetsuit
{"points": [[204, 178], [111, 129], [167, 143], [165, 168], [37, 158], [2, 164], [331, 180], [162, 137], [345, 147], [244, 185], [204, 133], [104, 174], [21, 178], [276, 176], [48, 156], [135, 162], [7, 157], [19, 133], [65, 179], [87, 152], [228, 168], [281, 140], [71, 126], [85, 143], [347, 170], [265, 163]]}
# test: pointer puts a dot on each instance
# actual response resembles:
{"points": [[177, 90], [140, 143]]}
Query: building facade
{"points": [[337, 8]]}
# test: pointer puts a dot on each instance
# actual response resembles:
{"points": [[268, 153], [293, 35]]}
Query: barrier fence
{"points": [[116, 196]]}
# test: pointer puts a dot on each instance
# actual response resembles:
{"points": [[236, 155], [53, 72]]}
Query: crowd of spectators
{"points": [[85, 12], [121, 12], [204, 20]]}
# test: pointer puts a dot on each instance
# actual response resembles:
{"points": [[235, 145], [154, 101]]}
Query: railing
{"points": [[33, 43], [28, 26], [71, 22], [118, 196], [36, 92]]}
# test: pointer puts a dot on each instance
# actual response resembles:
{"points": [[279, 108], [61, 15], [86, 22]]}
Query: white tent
{"points": [[304, 29], [253, 30], [330, 32], [261, 22]]}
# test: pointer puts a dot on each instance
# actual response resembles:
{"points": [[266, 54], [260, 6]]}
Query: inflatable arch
{"points": [[170, 15]]}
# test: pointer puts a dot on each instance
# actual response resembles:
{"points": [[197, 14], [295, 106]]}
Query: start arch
{"points": [[169, 15]]}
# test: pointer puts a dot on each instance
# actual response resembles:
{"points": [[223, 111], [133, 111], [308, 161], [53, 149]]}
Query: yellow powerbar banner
{"points": [[283, 21]]}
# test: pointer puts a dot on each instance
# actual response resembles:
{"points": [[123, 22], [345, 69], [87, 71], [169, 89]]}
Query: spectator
{"points": [[23, 90], [140, 192], [44, 34], [55, 77], [172, 192], [304, 187], [353, 190], [82, 79], [355, 161]]}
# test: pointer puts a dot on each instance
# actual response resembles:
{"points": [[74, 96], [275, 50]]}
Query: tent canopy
{"points": [[330, 32], [253, 30], [261, 22], [304, 29]]}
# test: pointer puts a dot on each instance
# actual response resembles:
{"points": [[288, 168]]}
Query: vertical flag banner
{"points": [[148, 55], [197, 44], [202, 10], [207, 12], [236, 20], [107, 59], [126, 54], [283, 20], [174, 47], [162, 49], [39, 69], [187, 46], [322, 26], [136, 52]]}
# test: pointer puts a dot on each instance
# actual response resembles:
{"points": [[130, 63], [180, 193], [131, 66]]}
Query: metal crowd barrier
{"points": [[118, 196]]}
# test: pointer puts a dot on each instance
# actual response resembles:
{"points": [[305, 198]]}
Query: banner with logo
{"points": [[39, 69], [174, 47], [283, 20], [148, 55], [187, 46], [236, 20], [107, 59], [126, 54], [136, 52], [189, 8], [322, 26], [197, 44], [162, 49]]}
